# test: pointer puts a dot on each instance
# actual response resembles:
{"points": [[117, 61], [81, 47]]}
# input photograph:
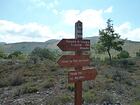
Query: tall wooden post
{"points": [[78, 85], [77, 61]]}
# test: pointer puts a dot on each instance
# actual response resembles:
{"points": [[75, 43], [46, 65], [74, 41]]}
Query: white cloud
{"points": [[52, 6], [12, 32], [49, 4], [90, 18], [108, 10], [126, 31], [93, 20], [55, 11], [39, 3]]}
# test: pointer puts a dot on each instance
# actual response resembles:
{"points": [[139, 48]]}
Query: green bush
{"points": [[65, 98], [15, 54], [89, 97], [70, 87], [48, 83], [123, 54], [120, 75], [124, 63], [13, 79], [131, 63], [3, 82], [42, 54], [25, 89], [29, 88], [136, 103], [137, 92], [53, 101], [51, 65], [16, 79], [3, 56], [108, 98], [130, 82], [138, 54]]}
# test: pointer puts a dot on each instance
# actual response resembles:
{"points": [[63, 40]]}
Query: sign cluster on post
{"points": [[77, 61]]}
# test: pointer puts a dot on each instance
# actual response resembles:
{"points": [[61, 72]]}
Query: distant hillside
{"points": [[132, 47], [26, 47], [93, 39], [2, 43]]}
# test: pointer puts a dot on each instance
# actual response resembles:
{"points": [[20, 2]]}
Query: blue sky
{"points": [[41, 20]]}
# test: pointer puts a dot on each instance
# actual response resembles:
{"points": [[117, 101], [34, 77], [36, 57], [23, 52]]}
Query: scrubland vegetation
{"points": [[35, 78]]}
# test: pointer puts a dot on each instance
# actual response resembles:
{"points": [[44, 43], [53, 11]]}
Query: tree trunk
{"points": [[110, 59]]}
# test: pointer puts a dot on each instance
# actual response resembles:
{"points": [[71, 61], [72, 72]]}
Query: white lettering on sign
{"points": [[74, 45], [78, 41], [81, 77], [74, 74], [77, 77], [75, 61], [82, 48]]}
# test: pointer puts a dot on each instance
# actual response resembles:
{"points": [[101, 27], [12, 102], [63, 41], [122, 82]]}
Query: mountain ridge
{"points": [[27, 47]]}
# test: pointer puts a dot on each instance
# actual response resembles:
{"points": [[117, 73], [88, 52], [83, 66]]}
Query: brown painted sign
{"points": [[74, 60], [81, 75], [77, 61], [74, 45]]}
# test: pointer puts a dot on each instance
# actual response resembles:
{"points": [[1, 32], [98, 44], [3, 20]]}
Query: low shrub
{"points": [[138, 54], [3, 82], [124, 63], [120, 75], [136, 103], [137, 93], [52, 101], [89, 97], [25, 89], [107, 99], [130, 82], [16, 79], [65, 98], [29, 88], [123, 54], [48, 83], [70, 87], [131, 63]]}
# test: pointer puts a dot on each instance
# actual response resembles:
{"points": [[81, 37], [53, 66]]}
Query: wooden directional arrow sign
{"points": [[74, 60], [81, 75], [74, 45]]}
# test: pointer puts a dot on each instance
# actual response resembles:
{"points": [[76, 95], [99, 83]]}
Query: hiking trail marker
{"points": [[74, 60], [77, 61], [74, 45], [83, 75]]}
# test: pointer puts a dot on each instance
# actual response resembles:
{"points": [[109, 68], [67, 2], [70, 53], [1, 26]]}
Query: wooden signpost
{"points": [[74, 60], [77, 61], [74, 45], [83, 75]]}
